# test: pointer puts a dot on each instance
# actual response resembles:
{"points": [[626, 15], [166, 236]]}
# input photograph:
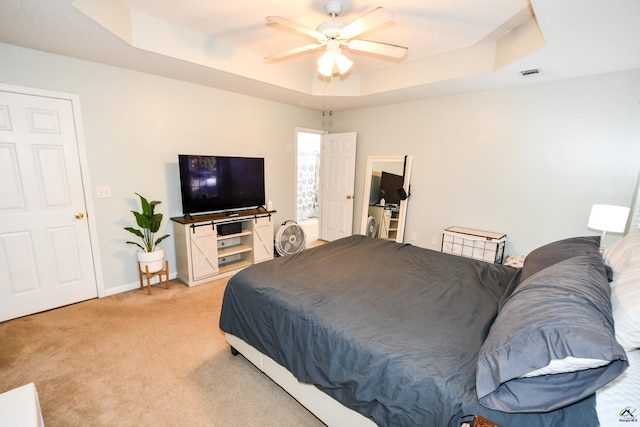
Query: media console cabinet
{"points": [[214, 245]]}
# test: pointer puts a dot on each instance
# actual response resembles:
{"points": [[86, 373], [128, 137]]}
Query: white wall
{"points": [[135, 125], [527, 161]]}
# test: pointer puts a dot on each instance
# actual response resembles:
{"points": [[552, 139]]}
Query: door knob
{"points": [[79, 215], [349, 196]]}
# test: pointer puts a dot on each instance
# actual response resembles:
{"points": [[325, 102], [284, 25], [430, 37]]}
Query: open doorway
{"points": [[308, 148]]}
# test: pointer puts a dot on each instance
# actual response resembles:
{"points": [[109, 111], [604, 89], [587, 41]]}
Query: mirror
{"points": [[386, 192], [634, 213]]}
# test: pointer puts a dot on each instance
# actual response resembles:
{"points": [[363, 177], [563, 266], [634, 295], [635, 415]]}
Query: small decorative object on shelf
{"points": [[477, 244], [151, 256]]}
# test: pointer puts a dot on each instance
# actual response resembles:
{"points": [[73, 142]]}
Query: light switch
{"points": [[103, 192]]}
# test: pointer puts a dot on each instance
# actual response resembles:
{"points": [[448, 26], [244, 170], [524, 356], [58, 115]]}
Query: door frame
{"points": [[320, 172], [84, 170]]}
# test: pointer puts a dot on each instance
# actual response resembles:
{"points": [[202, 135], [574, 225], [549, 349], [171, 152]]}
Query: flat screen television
{"points": [[220, 183], [390, 183]]}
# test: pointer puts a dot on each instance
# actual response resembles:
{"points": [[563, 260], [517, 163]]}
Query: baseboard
{"points": [[133, 285]]}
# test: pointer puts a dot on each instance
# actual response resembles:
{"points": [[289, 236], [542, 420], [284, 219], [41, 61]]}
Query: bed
{"points": [[370, 332]]}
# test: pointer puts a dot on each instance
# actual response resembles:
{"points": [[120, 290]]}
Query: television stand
{"points": [[214, 245]]}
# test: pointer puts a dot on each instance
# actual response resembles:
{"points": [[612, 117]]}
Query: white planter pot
{"points": [[155, 260]]}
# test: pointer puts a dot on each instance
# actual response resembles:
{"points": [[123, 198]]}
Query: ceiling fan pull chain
{"points": [[331, 95], [324, 93]]}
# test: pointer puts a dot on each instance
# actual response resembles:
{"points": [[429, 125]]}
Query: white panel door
{"points": [[45, 249], [338, 176]]}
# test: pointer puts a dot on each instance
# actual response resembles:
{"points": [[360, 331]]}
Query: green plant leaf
{"points": [[141, 219], [147, 209], [154, 222], [137, 244], [135, 231], [160, 239], [149, 222]]}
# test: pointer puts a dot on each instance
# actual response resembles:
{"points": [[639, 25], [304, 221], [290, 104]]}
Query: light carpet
{"points": [[137, 360]]}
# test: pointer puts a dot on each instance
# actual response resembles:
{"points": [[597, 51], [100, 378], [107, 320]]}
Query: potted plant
{"points": [[149, 222]]}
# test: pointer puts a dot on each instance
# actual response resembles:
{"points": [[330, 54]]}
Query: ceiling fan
{"points": [[335, 34]]}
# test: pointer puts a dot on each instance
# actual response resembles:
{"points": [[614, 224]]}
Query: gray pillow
{"points": [[562, 313], [552, 253]]}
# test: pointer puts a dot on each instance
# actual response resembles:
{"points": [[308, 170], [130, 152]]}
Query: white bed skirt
{"points": [[611, 400], [328, 410]]}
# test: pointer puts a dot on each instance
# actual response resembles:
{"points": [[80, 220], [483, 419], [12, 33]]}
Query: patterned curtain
{"points": [[308, 162]]}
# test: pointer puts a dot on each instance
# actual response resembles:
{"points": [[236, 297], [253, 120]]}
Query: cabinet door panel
{"points": [[204, 253], [262, 239]]}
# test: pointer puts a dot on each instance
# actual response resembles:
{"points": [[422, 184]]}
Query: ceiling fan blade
{"points": [[294, 51], [297, 27], [378, 48], [375, 18]]}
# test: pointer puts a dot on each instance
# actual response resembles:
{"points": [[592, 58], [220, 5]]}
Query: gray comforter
{"points": [[391, 331]]}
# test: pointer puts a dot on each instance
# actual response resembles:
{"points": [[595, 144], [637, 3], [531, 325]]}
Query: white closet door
{"points": [[45, 249]]}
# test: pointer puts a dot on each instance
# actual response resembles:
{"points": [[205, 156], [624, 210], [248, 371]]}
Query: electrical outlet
{"points": [[414, 237], [434, 240], [103, 192]]}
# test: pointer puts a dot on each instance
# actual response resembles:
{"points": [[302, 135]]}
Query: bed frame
{"points": [[328, 410]]}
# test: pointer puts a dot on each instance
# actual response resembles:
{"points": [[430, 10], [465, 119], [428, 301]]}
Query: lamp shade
{"points": [[326, 63], [608, 218], [333, 60], [343, 63]]}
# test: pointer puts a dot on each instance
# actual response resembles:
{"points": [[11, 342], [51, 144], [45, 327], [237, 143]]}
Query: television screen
{"points": [[389, 185], [220, 183]]}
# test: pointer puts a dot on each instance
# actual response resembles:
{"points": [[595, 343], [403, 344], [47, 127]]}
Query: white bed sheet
{"points": [[618, 403]]}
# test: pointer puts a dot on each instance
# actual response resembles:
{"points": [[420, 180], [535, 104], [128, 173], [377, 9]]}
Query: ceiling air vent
{"points": [[530, 72]]}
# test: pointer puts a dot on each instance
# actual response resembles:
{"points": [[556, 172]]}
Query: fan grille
{"points": [[290, 239], [372, 227]]}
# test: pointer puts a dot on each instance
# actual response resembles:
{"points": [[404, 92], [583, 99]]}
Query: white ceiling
{"points": [[454, 45]]}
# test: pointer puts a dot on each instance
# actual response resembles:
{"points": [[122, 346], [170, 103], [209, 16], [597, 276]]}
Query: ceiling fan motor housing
{"points": [[333, 8], [331, 29]]}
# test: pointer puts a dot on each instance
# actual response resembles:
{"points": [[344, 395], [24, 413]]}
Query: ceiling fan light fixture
{"points": [[333, 60], [343, 63], [326, 63]]}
